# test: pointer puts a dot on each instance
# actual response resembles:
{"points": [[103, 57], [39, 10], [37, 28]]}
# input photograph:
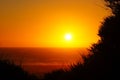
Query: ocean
{"points": [[43, 60]]}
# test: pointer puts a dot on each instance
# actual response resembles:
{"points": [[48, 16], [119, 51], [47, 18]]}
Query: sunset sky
{"points": [[45, 23]]}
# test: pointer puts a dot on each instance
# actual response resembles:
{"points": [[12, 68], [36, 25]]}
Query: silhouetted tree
{"points": [[114, 5], [105, 61], [108, 48]]}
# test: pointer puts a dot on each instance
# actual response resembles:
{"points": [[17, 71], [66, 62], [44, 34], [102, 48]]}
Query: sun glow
{"points": [[68, 37]]}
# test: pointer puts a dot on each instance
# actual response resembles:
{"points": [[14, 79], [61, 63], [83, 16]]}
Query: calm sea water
{"points": [[42, 60]]}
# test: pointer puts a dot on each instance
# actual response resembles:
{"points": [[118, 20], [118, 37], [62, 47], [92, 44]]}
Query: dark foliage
{"points": [[114, 5], [104, 64], [10, 71]]}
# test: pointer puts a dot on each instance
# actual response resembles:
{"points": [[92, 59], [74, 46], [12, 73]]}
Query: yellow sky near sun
{"points": [[44, 23]]}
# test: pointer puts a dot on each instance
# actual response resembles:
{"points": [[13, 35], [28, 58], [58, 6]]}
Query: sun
{"points": [[68, 37]]}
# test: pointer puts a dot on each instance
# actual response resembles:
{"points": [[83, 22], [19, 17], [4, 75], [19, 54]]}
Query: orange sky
{"points": [[43, 23]]}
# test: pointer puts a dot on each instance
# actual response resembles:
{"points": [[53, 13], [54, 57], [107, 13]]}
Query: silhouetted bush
{"points": [[10, 71]]}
